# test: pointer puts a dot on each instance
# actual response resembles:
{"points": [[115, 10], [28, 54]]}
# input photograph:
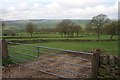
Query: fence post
{"points": [[38, 52], [95, 63], [3, 47]]}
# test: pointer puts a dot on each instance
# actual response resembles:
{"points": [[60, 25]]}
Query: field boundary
{"points": [[57, 40]]}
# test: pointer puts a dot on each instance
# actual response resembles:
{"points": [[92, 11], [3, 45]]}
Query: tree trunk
{"points": [[61, 35], [68, 35], [77, 34], [98, 32], [112, 35], [64, 34], [98, 36], [71, 35], [31, 34], [113, 32]]}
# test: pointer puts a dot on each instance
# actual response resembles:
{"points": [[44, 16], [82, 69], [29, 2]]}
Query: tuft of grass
{"points": [[6, 62]]}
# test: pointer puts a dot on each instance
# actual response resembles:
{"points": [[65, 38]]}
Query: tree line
{"points": [[99, 24], [68, 28]]}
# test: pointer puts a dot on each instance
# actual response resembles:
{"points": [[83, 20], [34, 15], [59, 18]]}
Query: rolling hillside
{"points": [[42, 23]]}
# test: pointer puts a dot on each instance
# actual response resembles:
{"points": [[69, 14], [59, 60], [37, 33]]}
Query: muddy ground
{"points": [[33, 69]]}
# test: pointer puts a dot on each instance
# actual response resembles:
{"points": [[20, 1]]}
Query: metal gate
{"points": [[53, 61]]}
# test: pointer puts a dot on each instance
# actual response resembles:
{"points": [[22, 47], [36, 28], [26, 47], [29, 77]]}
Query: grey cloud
{"points": [[58, 9]]}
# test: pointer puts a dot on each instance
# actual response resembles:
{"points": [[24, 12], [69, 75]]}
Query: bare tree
{"points": [[71, 30], [68, 28], [59, 29], [99, 21], [77, 29], [30, 28], [89, 28], [64, 27], [111, 29]]}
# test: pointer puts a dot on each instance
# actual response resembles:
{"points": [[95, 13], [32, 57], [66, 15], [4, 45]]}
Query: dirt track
{"points": [[17, 71]]}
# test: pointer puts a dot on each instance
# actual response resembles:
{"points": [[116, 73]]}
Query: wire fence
{"points": [[25, 53]]}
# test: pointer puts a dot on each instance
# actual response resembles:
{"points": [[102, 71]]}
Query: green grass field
{"points": [[23, 52], [110, 47], [76, 44], [19, 53]]}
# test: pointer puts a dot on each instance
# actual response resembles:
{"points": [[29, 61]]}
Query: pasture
{"points": [[110, 47]]}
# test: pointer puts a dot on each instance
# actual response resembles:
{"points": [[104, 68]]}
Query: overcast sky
{"points": [[57, 9]]}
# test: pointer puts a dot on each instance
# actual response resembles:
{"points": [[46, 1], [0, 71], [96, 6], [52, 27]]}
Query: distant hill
{"points": [[41, 23]]}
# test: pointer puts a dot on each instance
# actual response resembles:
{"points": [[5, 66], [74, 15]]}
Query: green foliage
{"points": [[111, 29], [98, 22], [6, 61]]}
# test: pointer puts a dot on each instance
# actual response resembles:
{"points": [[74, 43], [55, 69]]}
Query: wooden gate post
{"points": [[95, 63], [3, 47]]}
